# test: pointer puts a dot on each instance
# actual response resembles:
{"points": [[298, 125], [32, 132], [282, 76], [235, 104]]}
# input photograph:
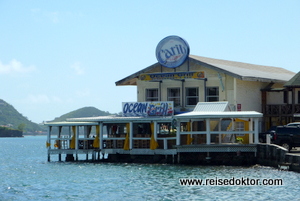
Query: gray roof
{"points": [[92, 121], [239, 70], [245, 71], [226, 114]]}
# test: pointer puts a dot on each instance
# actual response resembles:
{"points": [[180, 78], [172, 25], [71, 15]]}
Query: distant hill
{"points": [[10, 117], [83, 112]]}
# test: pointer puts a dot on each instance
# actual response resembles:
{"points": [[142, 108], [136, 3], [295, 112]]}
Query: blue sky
{"points": [[59, 56]]}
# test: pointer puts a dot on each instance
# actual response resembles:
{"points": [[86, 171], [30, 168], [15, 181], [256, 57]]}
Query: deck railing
{"points": [[281, 110], [112, 142]]}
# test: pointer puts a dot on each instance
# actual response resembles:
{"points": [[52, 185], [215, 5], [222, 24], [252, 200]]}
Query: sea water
{"points": [[26, 175]]}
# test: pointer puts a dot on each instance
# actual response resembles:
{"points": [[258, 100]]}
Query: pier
{"points": [[195, 137]]}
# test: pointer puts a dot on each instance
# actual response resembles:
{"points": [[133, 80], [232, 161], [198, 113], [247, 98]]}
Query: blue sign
{"points": [[145, 109], [172, 51]]}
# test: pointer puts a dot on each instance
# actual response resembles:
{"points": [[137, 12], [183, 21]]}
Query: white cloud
{"points": [[35, 11], [53, 16], [77, 68], [15, 67], [43, 98], [83, 93], [42, 15]]}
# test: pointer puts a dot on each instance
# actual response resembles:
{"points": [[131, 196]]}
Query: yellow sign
{"points": [[171, 76]]}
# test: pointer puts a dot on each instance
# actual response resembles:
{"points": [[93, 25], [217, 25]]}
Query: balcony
{"points": [[286, 110]]}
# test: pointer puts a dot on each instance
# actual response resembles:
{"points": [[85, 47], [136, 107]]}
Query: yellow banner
{"points": [[171, 76]]}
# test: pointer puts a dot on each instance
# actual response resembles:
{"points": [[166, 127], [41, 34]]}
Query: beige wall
{"points": [[246, 93]]}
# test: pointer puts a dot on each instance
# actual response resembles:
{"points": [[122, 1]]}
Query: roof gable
{"points": [[239, 70]]}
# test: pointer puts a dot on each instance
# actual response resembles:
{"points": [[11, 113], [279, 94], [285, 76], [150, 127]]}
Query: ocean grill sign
{"points": [[172, 51], [144, 109], [171, 76]]}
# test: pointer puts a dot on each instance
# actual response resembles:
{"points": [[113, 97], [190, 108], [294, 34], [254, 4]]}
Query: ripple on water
{"points": [[25, 175]]}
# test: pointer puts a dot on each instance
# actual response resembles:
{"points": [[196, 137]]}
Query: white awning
{"points": [[215, 115], [67, 123]]}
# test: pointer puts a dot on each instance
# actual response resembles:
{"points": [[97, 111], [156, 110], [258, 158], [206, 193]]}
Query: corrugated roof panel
{"points": [[248, 71], [211, 107], [226, 114]]}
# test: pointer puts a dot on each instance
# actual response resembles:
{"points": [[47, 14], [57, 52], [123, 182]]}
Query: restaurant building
{"points": [[186, 105], [246, 87]]}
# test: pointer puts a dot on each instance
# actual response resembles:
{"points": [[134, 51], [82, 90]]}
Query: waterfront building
{"points": [[246, 87], [185, 104]]}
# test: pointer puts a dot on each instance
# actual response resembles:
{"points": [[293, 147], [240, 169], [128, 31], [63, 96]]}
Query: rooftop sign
{"points": [[172, 51]]}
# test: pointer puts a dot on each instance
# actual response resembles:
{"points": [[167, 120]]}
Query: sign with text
{"points": [[171, 76], [239, 107], [159, 108], [172, 51]]}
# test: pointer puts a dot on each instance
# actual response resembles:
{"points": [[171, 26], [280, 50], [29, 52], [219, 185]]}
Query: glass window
{"points": [[174, 95], [239, 126], [192, 96], [166, 128], [151, 95], [212, 94]]}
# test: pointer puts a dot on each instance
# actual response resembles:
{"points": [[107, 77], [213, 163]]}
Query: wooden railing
{"points": [[281, 110]]}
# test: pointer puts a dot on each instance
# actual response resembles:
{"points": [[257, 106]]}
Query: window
{"points": [[151, 95], [192, 96], [239, 126], [212, 94], [165, 128], [174, 95], [298, 97], [285, 97]]}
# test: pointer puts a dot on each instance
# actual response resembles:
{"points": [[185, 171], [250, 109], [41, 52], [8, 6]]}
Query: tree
{"points": [[21, 127]]}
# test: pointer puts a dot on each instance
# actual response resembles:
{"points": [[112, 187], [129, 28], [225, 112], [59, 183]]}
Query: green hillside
{"points": [[83, 112], [9, 116]]}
